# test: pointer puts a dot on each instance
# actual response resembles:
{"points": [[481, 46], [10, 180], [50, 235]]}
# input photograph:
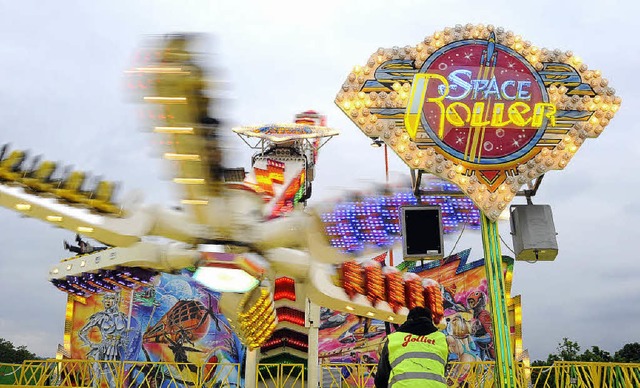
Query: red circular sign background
{"points": [[490, 142]]}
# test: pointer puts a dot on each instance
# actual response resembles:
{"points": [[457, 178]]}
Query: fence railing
{"points": [[347, 375], [280, 375], [589, 374], [9, 373], [131, 374]]}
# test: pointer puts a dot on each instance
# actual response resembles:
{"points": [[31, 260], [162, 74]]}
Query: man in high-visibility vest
{"points": [[415, 355]]}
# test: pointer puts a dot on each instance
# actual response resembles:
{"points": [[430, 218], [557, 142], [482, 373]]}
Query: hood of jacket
{"points": [[420, 326]]}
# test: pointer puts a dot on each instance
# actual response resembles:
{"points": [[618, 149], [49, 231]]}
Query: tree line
{"points": [[10, 354], [568, 350]]}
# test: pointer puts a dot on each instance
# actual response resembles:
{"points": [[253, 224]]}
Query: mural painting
{"points": [[174, 320], [349, 339], [346, 338]]}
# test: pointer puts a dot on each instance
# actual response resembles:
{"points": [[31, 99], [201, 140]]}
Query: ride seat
{"points": [[70, 188], [10, 167], [40, 178], [101, 198]]}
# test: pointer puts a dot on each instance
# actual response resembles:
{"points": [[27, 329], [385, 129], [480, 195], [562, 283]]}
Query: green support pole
{"points": [[504, 367]]}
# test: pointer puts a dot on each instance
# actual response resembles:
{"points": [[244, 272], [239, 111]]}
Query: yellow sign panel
{"points": [[480, 107]]}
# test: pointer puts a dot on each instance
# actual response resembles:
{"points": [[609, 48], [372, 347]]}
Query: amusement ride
{"points": [[249, 234]]}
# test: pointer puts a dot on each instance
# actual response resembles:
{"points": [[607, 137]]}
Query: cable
{"points": [[456, 244], [535, 251], [508, 247]]}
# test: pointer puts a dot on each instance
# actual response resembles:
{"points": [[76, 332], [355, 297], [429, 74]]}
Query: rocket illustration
{"points": [[490, 55]]}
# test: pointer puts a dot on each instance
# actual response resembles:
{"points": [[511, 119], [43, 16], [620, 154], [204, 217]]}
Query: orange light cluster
{"points": [[374, 282], [413, 290], [391, 285], [285, 288], [394, 287], [434, 300], [353, 279]]}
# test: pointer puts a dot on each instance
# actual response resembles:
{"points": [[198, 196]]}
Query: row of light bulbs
{"points": [[532, 53], [257, 323], [603, 107]]}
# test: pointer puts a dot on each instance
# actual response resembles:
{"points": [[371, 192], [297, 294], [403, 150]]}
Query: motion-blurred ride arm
{"points": [[180, 90], [33, 193]]}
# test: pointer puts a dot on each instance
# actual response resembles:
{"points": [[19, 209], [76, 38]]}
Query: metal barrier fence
{"points": [[347, 375], [470, 374], [130, 374], [280, 375], [589, 374], [9, 373], [110, 374]]}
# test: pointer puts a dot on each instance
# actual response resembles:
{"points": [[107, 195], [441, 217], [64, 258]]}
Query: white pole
{"points": [[313, 322], [130, 309], [250, 368]]}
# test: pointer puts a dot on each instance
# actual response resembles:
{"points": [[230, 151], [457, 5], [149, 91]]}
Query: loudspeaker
{"points": [[422, 232], [533, 233]]}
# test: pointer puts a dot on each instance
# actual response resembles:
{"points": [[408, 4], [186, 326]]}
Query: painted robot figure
{"points": [[112, 325]]}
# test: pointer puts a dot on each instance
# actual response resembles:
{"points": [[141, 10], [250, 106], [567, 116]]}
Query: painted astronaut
{"points": [[112, 325]]}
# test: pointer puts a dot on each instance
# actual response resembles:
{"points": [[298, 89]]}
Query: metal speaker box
{"points": [[533, 233], [422, 232]]}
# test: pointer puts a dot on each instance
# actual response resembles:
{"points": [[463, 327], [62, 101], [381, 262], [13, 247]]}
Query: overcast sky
{"points": [[62, 95]]}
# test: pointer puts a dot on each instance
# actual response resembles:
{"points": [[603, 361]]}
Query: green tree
{"points": [[567, 351], [14, 355], [596, 355], [628, 353]]}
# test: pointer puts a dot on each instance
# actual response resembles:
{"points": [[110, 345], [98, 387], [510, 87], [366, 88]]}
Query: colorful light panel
{"points": [[374, 220], [104, 281]]}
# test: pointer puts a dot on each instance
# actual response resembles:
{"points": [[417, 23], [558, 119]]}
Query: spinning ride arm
{"points": [[297, 244], [63, 203], [180, 89]]}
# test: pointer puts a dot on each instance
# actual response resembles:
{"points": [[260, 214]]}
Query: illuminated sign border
{"points": [[375, 97]]}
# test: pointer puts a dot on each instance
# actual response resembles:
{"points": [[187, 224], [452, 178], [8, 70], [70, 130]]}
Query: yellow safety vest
{"points": [[417, 360]]}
